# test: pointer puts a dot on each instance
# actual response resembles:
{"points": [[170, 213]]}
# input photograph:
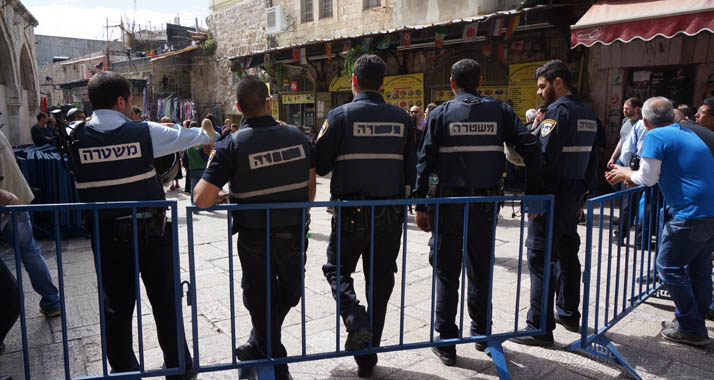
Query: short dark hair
{"points": [[369, 70], [634, 102], [193, 124], [709, 102], [136, 109], [542, 108], [430, 107], [251, 93], [105, 87], [41, 116], [466, 73], [554, 69]]}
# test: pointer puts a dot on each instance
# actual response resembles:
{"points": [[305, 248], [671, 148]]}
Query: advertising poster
{"points": [[404, 91], [442, 95], [522, 87], [496, 92]]}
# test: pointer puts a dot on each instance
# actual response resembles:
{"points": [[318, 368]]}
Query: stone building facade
{"points": [[19, 88]]}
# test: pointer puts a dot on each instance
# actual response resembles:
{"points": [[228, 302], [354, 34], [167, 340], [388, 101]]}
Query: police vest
{"points": [[116, 165], [370, 162], [273, 165], [577, 146], [471, 149]]}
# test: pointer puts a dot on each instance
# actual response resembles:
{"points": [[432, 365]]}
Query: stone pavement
{"points": [[636, 336]]}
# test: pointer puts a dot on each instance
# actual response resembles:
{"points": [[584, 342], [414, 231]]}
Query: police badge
{"points": [[547, 126], [324, 128]]}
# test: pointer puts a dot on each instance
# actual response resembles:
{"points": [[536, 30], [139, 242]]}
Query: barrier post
{"points": [[596, 342]]}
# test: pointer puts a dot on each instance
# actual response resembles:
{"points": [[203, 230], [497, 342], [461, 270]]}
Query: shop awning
{"points": [[176, 52], [608, 21]]}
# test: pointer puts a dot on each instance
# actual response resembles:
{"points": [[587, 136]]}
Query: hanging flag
{"points": [[516, 46], [439, 37], [385, 42], [495, 28], [470, 31], [266, 58], [513, 23], [501, 54], [346, 45], [328, 51], [406, 40], [303, 56], [366, 43], [296, 54], [248, 61], [486, 50]]}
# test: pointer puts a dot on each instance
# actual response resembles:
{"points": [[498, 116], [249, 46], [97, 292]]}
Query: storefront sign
{"points": [[298, 98], [404, 91], [340, 84], [522, 87]]}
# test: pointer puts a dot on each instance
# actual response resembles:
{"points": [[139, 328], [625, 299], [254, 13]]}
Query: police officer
{"points": [[112, 158], [567, 137], [463, 147], [369, 147], [264, 162]]}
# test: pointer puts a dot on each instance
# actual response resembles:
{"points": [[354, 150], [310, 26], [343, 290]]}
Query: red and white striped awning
{"points": [[608, 21]]}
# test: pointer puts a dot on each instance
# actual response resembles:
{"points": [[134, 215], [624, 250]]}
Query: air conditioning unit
{"points": [[275, 21]]}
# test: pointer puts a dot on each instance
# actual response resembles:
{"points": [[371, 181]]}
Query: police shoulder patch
{"points": [[323, 130], [210, 158], [547, 126]]}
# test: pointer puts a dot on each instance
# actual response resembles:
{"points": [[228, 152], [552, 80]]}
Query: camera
{"points": [[635, 163]]}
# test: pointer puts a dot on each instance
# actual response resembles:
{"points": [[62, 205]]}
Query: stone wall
{"points": [[19, 89]]}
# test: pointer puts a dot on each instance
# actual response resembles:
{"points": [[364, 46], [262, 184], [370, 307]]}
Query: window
{"points": [[366, 4], [268, 3], [325, 8], [305, 10]]}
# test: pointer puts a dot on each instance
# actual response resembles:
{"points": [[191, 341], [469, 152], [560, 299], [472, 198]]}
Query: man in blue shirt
{"points": [[682, 164]]}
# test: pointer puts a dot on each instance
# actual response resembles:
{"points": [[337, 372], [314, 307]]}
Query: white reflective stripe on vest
{"points": [[457, 149], [370, 156], [577, 149], [271, 190], [119, 181]]}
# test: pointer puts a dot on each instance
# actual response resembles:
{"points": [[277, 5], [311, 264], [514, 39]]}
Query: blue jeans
{"points": [[32, 259], [195, 175], [685, 265]]}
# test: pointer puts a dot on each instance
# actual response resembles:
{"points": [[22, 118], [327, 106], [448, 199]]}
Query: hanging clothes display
{"points": [[175, 109]]}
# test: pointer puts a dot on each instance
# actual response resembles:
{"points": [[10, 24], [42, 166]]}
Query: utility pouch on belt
{"points": [[151, 224]]}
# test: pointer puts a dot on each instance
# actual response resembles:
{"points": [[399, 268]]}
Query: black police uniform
{"points": [[11, 304], [567, 137], [369, 146], [114, 166], [266, 162], [463, 145]]}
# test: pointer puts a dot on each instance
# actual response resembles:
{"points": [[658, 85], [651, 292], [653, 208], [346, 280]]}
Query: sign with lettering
{"points": [[307, 98], [109, 153], [473, 129]]}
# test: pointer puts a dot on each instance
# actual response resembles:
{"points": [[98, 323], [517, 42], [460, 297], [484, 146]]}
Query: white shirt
{"points": [[13, 180], [649, 171], [164, 140]]}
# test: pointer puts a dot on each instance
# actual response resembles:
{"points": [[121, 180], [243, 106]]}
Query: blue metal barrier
{"points": [[264, 367], [94, 208], [635, 277]]}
